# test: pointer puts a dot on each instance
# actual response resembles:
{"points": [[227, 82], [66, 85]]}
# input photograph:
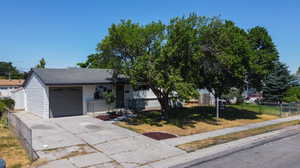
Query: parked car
{"points": [[2, 163]]}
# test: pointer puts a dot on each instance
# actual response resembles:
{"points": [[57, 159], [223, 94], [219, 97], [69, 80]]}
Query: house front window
{"points": [[99, 92]]}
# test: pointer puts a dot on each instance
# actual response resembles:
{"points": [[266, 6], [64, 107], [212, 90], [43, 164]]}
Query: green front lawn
{"points": [[264, 109], [193, 120]]}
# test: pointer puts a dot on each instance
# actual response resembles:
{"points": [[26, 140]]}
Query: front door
{"points": [[120, 96]]}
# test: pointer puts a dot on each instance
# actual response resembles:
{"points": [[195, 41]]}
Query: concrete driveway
{"points": [[84, 141]]}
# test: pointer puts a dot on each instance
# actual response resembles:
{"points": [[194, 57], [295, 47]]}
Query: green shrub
{"points": [[292, 95], [3, 114], [9, 103], [2, 108], [109, 99]]}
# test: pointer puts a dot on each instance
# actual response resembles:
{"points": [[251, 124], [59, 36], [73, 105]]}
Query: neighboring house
{"points": [[18, 95], [6, 86], [76, 91], [205, 97]]}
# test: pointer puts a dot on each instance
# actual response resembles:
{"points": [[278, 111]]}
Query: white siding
{"points": [[148, 97], [91, 105], [144, 94], [5, 91], [37, 100], [19, 97]]}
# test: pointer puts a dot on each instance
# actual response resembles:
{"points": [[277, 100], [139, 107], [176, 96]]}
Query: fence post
{"points": [[259, 109], [280, 109], [218, 108]]}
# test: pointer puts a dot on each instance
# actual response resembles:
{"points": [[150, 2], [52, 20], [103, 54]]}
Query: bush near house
{"points": [[9, 103], [5, 104], [2, 110]]}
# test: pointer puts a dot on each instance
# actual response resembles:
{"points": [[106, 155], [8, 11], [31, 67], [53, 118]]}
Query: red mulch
{"points": [[103, 117], [159, 135], [107, 117]]}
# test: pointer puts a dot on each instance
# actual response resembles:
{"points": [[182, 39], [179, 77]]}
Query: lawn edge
{"points": [[218, 140]]}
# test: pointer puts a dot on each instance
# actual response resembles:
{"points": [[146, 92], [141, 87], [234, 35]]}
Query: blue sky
{"points": [[64, 32]]}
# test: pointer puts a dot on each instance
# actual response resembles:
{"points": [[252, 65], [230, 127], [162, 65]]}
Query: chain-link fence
{"points": [[271, 108], [290, 109], [24, 133]]}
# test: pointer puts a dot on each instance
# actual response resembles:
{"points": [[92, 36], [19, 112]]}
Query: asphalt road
{"points": [[280, 153]]}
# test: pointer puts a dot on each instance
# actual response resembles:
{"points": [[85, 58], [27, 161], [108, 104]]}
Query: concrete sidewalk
{"points": [[201, 136]]}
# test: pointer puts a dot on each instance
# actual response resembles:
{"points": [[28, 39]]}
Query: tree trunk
{"points": [[163, 99], [165, 107]]}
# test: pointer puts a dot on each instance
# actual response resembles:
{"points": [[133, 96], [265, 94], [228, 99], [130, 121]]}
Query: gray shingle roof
{"points": [[74, 76]]}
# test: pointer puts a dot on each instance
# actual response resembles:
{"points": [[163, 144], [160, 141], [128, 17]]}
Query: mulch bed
{"points": [[159, 135], [107, 117]]}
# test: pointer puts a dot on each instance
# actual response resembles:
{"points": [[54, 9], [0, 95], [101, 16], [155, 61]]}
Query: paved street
{"points": [[274, 154]]}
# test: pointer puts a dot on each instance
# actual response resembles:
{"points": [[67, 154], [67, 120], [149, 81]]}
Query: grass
{"points": [[273, 110], [11, 150], [193, 120], [196, 145]]}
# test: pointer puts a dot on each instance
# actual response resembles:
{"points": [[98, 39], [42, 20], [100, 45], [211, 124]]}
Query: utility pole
{"points": [[9, 75]]}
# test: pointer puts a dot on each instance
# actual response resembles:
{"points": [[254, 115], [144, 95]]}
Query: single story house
{"points": [[205, 97], [77, 91], [6, 86]]}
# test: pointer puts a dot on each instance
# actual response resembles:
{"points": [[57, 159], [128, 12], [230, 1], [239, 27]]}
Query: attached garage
{"points": [[76, 91], [64, 92], [65, 101]]}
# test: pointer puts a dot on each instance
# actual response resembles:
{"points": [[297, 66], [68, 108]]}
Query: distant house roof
{"points": [[13, 82], [298, 78], [73, 76]]}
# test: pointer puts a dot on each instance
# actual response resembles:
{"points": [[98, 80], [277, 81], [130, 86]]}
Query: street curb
{"points": [[210, 134], [280, 134]]}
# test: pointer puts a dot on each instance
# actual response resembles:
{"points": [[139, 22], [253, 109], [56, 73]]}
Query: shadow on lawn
{"points": [[188, 116]]}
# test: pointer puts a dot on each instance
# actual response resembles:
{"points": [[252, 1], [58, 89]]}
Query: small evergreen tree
{"points": [[277, 83], [109, 99], [42, 64]]}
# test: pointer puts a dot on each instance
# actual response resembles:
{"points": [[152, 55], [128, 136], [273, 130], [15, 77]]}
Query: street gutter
{"points": [[257, 141]]}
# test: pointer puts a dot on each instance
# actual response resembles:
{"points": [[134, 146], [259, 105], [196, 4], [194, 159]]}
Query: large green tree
{"points": [[232, 57], [98, 60], [226, 50], [264, 55], [187, 53], [7, 70], [277, 83], [147, 56]]}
